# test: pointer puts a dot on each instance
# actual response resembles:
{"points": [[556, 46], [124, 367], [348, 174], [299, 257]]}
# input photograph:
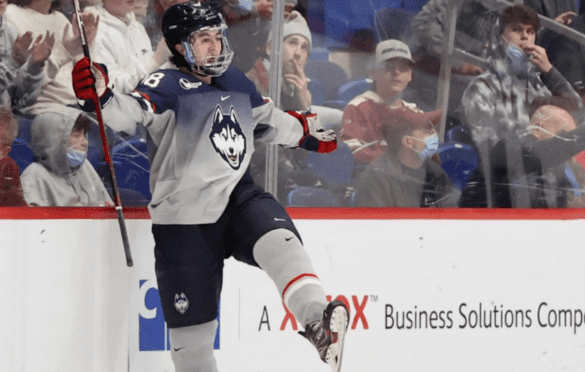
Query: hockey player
{"points": [[202, 118]]}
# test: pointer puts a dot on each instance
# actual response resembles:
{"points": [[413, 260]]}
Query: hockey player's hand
{"points": [[86, 78], [315, 138]]}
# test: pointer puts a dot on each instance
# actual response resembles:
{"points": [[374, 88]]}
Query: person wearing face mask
{"points": [[366, 114], [547, 175], [61, 174], [406, 175], [496, 102]]}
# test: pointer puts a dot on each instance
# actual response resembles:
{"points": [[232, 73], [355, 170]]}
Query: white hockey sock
{"points": [[192, 348], [288, 265]]}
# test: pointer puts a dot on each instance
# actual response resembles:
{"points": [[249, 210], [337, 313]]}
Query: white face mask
{"points": [[75, 157], [531, 127]]}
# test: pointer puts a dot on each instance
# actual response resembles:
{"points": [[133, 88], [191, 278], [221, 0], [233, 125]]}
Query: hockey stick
{"points": [[98, 112]]}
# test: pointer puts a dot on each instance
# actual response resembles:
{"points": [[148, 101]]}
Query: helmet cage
{"points": [[213, 65]]}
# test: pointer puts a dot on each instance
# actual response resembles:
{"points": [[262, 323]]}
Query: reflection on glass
{"points": [[511, 137]]}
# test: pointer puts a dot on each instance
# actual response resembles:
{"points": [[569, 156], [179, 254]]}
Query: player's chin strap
{"points": [[315, 138]]}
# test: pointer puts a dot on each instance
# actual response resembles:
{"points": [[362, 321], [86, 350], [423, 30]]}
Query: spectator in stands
{"points": [[296, 47], [140, 10], [546, 174], [39, 17], [366, 114], [61, 175], [563, 184], [11, 194], [122, 44], [405, 175], [496, 102], [21, 63], [295, 96]]}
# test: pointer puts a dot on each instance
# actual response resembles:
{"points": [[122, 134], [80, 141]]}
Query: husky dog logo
{"points": [[181, 303], [227, 137]]}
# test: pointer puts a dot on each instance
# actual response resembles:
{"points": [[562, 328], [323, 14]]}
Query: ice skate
{"points": [[328, 334]]}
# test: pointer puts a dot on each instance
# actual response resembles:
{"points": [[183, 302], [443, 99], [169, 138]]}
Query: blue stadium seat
{"points": [[458, 160], [311, 197], [24, 125], [330, 74], [458, 134], [353, 88], [21, 153], [319, 54], [317, 92], [131, 166], [335, 167]]}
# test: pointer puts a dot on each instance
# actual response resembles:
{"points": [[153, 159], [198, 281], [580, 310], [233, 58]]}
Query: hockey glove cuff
{"points": [[315, 138], [90, 83]]}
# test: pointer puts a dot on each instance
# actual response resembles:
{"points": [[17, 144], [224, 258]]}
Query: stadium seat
{"points": [[319, 54], [330, 74], [24, 125], [21, 153], [352, 89], [317, 92], [458, 134], [133, 167], [311, 197], [458, 160], [335, 167]]}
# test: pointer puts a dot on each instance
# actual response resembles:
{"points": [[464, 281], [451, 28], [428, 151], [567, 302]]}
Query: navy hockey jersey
{"points": [[201, 138]]}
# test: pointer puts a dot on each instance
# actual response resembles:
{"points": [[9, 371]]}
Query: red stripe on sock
{"points": [[296, 280]]}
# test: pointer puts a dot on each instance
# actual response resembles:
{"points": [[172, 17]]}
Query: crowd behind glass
{"points": [[510, 133]]}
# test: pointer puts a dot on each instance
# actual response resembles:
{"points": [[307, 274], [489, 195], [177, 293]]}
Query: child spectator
{"points": [[61, 175], [11, 194]]}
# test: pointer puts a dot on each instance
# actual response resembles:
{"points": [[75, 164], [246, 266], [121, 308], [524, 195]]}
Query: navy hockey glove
{"points": [[85, 76], [315, 138]]}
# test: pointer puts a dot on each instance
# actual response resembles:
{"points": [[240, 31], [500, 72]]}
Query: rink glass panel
{"points": [[344, 35]]}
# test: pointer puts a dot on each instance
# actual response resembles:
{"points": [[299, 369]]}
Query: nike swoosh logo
{"points": [[224, 98], [288, 239], [179, 348], [279, 219]]}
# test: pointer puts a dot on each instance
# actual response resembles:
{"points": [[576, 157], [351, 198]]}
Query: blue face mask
{"points": [[75, 157], [519, 61], [431, 146]]}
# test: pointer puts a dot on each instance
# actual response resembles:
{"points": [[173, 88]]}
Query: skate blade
{"points": [[338, 324]]}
